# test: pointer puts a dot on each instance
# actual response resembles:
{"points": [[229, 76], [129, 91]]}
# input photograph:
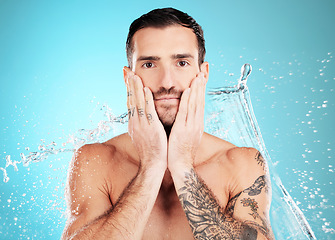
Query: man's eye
{"points": [[148, 65], [182, 63]]}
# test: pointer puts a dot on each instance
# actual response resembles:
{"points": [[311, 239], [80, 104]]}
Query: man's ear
{"points": [[126, 70], [204, 67]]}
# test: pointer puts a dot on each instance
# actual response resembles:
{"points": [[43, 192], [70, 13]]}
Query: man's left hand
{"points": [[188, 127]]}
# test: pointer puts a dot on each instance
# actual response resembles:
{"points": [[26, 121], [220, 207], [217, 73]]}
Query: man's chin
{"points": [[167, 116], [167, 122]]}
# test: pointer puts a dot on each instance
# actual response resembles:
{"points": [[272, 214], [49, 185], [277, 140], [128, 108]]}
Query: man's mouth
{"points": [[167, 98]]}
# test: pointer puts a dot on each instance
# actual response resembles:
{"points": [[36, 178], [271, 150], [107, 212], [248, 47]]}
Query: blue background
{"points": [[61, 60]]}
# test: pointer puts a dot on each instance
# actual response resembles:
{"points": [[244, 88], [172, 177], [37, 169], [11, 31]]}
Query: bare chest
{"points": [[167, 220]]}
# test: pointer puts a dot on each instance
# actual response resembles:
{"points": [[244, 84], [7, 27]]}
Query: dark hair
{"points": [[160, 18]]}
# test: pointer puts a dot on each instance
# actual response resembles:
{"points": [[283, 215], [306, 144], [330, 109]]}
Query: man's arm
{"points": [[90, 216], [246, 214]]}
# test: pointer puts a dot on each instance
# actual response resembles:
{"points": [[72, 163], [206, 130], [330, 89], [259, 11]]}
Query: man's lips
{"points": [[167, 98]]}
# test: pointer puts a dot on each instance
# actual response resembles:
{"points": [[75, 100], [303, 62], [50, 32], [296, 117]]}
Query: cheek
{"points": [[188, 77], [147, 78]]}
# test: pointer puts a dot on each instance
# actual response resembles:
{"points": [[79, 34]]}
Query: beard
{"points": [[167, 112], [167, 115], [167, 118]]}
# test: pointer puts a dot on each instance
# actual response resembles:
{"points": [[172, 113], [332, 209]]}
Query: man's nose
{"points": [[167, 78]]}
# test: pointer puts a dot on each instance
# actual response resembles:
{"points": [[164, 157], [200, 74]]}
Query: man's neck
{"points": [[168, 131]]}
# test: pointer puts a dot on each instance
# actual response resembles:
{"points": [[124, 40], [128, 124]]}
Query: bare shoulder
{"points": [[249, 171], [247, 160], [89, 166], [100, 154], [95, 151], [238, 157], [93, 165], [89, 186], [246, 157], [241, 165], [214, 149], [92, 156]]}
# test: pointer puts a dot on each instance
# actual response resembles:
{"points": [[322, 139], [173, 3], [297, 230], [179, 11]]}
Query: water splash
{"points": [[239, 126], [245, 72], [74, 141]]}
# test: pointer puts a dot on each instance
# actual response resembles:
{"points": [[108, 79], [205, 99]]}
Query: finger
{"points": [[130, 104], [200, 105], [193, 101], [201, 92], [139, 97], [150, 110], [183, 107], [131, 98], [128, 92]]}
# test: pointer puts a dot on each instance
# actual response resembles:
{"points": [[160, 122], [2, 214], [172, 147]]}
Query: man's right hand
{"points": [[144, 127]]}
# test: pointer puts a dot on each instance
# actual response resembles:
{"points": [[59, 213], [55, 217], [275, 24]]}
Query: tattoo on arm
{"points": [[205, 216], [260, 160], [254, 190], [257, 187]]}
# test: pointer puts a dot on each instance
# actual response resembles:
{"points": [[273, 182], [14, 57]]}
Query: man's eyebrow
{"points": [[182, 55], [148, 58]]}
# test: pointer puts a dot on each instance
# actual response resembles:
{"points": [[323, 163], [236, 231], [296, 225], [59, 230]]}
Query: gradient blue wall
{"points": [[60, 60]]}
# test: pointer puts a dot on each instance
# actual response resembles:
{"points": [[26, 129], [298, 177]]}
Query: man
{"points": [[166, 178]]}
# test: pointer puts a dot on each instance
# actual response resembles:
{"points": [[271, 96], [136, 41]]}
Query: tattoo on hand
{"points": [[131, 112], [141, 112], [149, 116]]}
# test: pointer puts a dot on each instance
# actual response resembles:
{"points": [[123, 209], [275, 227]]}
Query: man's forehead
{"points": [[172, 40]]}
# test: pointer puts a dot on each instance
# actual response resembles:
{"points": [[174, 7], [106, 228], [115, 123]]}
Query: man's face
{"points": [[167, 61]]}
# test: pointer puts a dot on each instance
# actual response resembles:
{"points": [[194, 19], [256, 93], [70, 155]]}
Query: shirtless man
{"points": [[166, 178]]}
